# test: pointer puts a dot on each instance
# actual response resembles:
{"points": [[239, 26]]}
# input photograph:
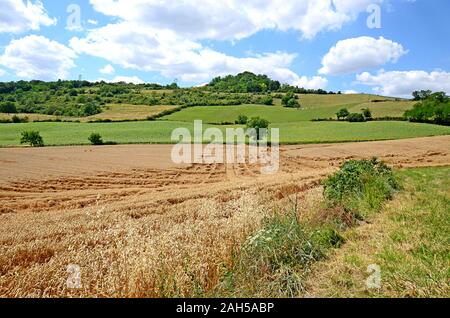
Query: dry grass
{"points": [[114, 112], [137, 231], [178, 253]]}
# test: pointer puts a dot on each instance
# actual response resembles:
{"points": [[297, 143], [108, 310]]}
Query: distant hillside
{"points": [[245, 83], [248, 82]]}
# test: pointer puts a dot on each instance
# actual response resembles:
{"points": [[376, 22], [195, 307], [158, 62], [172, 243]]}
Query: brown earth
{"points": [[138, 225]]}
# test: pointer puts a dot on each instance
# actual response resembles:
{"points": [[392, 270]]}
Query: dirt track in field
{"points": [[89, 205]]}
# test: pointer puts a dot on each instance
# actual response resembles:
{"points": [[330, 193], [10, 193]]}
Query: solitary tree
{"points": [[367, 113], [342, 114], [258, 124], [33, 138], [96, 139]]}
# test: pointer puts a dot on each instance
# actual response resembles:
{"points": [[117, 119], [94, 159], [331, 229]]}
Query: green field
{"points": [[295, 124], [313, 107], [384, 109], [160, 131]]}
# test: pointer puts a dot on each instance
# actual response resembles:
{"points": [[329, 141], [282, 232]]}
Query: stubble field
{"points": [[137, 225]]}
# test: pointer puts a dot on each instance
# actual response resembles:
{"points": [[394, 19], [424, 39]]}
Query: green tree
{"points": [[367, 113], [96, 139], [33, 138], [342, 114], [421, 95], [242, 120], [258, 124], [356, 118], [8, 107], [290, 100], [267, 100]]}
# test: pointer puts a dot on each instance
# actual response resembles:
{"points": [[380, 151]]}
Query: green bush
{"points": [[33, 138], [267, 100], [258, 124], [241, 120], [96, 139], [8, 107], [17, 120], [290, 100], [360, 186], [356, 118], [434, 108], [367, 113]]}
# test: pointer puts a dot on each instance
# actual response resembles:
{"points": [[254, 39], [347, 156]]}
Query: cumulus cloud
{"points": [[403, 83], [19, 16], [356, 54], [174, 56], [36, 57], [107, 69], [235, 19]]}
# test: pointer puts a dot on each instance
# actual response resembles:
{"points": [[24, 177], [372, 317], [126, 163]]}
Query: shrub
{"points": [[258, 124], [16, 119], [33, 138], [267, 100], [360, 185], [8, 107], [290, 100], [96, 139], [241, 120], [367, 113], [356, 118]]}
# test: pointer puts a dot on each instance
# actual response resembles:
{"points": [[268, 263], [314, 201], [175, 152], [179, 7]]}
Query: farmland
{"points": [[59, 134], [138, 225]]}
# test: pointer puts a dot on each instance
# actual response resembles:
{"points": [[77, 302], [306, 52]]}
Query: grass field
{"points": [[384, 109], [295, 125], [114, 112], [408, 240], [128, 112], [313, 107], [160, 131]]}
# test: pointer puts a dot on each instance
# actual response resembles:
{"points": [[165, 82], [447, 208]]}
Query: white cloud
{"points": [[2, 72], [356, 54], [19, 16], [164, 51], [235, 19], [402, 84], [126, 79], [93, 22], [350, 92], [314, 82], [107, 69], [37, 57]]}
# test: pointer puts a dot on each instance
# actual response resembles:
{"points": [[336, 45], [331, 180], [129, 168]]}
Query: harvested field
{"points": [[138, 225]]}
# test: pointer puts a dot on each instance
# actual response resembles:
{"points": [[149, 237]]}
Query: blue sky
{"points": [[312, 43]]}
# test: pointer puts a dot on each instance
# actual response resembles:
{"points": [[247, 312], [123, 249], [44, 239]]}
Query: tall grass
{"points": [[275, 260]]}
